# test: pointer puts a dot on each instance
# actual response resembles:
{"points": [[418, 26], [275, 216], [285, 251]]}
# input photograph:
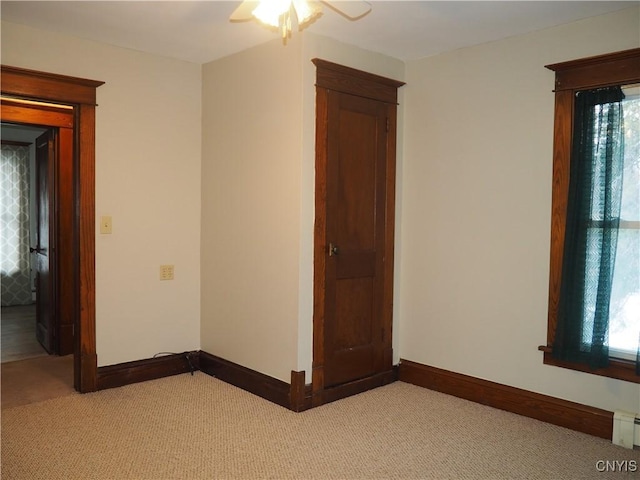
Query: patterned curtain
{"points": [[14, 232], [593, 220]]}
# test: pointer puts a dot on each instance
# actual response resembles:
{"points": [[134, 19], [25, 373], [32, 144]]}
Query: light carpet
{"points": [[197, 427]]}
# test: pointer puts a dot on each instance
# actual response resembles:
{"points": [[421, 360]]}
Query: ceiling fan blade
{"points": [[244, 11], [351, 9]]}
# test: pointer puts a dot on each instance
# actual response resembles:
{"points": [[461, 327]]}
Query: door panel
{"points": [[356, 195], [355, 135], [354, 313], [45, 240]]}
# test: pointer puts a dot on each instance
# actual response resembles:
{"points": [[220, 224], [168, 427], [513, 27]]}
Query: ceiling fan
{"points": [[278, 14]]}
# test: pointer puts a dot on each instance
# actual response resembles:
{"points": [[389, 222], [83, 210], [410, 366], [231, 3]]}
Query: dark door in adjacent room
{"points": [[45, 248]]}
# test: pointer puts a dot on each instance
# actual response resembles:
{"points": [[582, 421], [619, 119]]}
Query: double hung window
{"points": [[594, 288]]}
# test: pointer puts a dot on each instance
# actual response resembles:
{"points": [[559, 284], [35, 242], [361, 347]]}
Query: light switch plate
{"points": [[105, 224]]}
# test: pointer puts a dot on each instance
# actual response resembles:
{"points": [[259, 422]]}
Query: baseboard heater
{"points": [[626, 429]]}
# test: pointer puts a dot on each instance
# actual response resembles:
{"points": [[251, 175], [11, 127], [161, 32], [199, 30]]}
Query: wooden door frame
{"points": [[80, 94], [331, 76]]}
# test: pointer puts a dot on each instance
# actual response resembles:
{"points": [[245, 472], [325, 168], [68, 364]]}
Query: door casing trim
{"points": [[79, 93]]}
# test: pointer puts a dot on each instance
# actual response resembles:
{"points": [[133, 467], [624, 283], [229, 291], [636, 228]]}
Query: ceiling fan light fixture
{"points": [[277, 13], [305, 11], [270, 11]]}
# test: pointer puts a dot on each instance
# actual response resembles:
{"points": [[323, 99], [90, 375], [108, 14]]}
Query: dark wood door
{"points": [[354, 226], [45, 240], [355, 230]]}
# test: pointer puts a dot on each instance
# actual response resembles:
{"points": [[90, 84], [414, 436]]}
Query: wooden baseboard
{"points": [[300, 396], [574, 416], [149, 369], [264, 386], [296, 396]]}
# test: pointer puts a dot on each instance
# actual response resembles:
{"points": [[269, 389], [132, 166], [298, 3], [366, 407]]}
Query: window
{"points": [[596, 328], [624, 319]]}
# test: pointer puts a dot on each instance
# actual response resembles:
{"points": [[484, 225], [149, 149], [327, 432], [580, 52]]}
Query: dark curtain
{"points": [[593, 217]]}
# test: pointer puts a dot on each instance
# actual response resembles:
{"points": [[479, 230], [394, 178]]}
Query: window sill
{"points": [[619, 369]]}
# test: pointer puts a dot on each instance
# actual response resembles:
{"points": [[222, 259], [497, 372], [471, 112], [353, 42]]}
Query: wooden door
{"points": [[355, 210], [355, 204], [45, 241]]}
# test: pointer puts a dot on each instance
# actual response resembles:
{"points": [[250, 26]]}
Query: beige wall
{"points": [[148, 131], [476, 200], [252, 145], [258, 200]]}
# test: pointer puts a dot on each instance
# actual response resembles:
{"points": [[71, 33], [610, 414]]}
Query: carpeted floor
{"points": [[197, 427], [36, 379]]}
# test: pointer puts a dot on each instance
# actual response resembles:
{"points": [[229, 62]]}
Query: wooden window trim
{"points": [[619, 68]]}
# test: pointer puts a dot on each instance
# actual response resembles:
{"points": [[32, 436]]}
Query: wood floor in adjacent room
{"points": [[18, 325], [28, 374]]}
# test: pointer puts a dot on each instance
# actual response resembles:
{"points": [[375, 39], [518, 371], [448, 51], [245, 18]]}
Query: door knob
{"points": [[333, 249]]}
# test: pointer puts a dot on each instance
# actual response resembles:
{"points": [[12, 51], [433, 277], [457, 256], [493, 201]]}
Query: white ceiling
{"points": [[199, 31]]}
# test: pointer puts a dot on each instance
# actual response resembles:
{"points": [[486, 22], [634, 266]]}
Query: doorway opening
{"points": [[37, 343], [18, 224], [67, 104]]}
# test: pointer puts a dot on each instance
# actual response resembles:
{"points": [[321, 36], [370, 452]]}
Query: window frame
{"points": [[619, 68]]}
